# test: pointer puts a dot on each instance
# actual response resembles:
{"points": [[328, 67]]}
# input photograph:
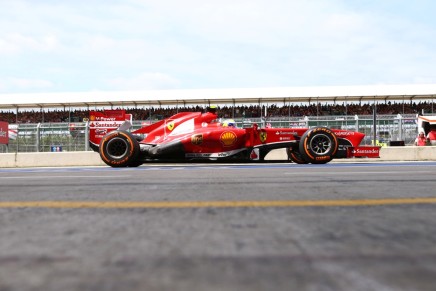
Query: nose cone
{"points": [[354, 137], [358, 138]]}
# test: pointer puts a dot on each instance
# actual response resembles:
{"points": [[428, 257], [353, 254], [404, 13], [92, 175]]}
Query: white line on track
{"points": [[55, 176], [354, 173]]}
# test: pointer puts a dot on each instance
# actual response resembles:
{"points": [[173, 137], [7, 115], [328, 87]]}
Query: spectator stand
{"points": [[343, 107]]}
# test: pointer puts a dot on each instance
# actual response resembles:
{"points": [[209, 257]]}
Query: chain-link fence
{"points": [[388, 127], [47, 137]]}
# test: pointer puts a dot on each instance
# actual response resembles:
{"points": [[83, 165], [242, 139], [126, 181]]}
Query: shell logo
{"points": [[170, 125], [228, 138]]}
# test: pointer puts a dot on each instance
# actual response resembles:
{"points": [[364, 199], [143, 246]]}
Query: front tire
{"points": [[119, 149], [318, 145], [295, 156]]}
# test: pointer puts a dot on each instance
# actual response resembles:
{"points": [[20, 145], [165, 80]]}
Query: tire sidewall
{"points": [[295, 156], [309, 155], [128, 158]]}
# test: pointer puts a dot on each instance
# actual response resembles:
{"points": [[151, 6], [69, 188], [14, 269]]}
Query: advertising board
{"points": [[4, 132]]}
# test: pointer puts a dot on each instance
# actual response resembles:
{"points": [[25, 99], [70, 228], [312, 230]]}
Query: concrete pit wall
{"points": [[78, 159]]}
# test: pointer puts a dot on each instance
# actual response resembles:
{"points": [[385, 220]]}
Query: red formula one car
{"points": [[199, 136]]}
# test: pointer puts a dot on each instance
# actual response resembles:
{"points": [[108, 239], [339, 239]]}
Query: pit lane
{"points": [[340, 226]]}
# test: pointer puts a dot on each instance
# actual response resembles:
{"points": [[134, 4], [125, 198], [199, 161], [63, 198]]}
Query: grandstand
{"points": [[240, 102], [273, 111], [37, 122], [221, 96]]}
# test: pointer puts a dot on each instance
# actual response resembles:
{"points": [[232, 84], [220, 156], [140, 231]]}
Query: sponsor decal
{"points": [[100, 131], [204, 124], [103, 124], [365, 151], [92, 118], [322, 129], [198, 155], [228, 138], [285, 138], [170, 125], [344, 133], [209, 155], [197, 139], [286, 133], [4, 132], [213, 155], [102, 118], [263, 136]]}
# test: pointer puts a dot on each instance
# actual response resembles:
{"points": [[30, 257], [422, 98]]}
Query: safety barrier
{"points": [[70, 159], [48, 159], [48, 137]]}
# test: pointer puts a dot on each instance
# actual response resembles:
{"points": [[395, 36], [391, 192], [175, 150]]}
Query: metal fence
{"points": [[388, 127], [50, 137]]}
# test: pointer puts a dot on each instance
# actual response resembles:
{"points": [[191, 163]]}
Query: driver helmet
{"points": [[212, 109], [229, 123]]}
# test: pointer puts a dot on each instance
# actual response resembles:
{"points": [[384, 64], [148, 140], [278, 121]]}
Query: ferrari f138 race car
{"points": [[195, 136]]}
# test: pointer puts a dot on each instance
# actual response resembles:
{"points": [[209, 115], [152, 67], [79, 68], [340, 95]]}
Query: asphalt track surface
{"points": [[340, 226]]}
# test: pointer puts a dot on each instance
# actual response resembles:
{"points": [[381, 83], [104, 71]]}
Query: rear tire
{"points": [[119, 149], [318, 145]]}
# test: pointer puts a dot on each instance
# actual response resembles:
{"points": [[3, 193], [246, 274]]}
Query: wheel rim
{"points": [[321, 144], [117, 148]]}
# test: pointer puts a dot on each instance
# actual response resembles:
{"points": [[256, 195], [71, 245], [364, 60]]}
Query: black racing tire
{"points": [[318, 145], [295, 156], [119, 149]]}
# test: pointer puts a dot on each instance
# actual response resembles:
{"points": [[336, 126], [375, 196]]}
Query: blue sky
{"points": [[75, 46]]}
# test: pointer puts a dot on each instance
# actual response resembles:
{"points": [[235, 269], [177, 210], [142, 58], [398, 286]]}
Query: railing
{"points": [[46, 137]]}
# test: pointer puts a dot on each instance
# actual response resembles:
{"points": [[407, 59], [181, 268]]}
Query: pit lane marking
{"points": [[213, 204], [354, 173], [72, 176], [55, 176]]}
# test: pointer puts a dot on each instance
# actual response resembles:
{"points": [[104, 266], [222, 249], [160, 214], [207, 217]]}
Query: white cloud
{"points": [[198, 44], [144, 81], [17, 43], [24, 84]]}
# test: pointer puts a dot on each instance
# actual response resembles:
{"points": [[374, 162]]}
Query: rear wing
{"points": [[103, 122]]}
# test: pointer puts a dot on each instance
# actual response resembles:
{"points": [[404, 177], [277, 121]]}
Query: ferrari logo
{"points": [[170, 125], [262, 136], [92, 118]]}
